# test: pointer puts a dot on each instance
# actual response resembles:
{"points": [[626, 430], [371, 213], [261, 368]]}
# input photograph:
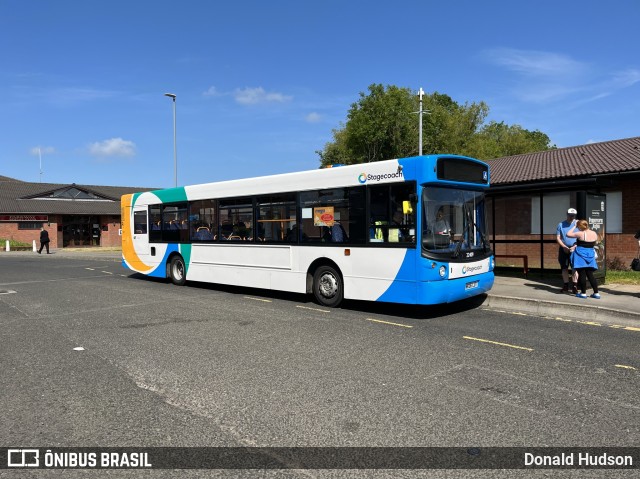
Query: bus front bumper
{"points": [[450, 290]]}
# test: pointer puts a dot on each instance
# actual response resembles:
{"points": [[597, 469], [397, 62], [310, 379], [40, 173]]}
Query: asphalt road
{"points": [[203, 365]]}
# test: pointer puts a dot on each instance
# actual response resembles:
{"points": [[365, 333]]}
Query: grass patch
{"points": [[623, 277], [14, 243], [612, 276]]}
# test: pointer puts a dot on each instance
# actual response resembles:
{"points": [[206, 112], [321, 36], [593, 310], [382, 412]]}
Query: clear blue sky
{"points": [[261, 84]]}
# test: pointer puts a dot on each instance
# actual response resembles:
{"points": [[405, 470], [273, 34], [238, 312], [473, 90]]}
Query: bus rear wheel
{"points": [[328, 287], [178, 271]]}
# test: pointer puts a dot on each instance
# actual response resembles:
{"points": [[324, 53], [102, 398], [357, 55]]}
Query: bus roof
{"points": [[387, 171]]}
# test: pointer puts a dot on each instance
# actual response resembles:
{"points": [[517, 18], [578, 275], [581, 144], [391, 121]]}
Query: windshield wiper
{"points": [[456, 252], [485, 243]]}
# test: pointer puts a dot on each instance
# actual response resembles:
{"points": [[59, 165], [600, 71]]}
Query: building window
{"points": [[614, 212], [29, 225]]}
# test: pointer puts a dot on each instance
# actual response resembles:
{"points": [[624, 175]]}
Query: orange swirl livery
{"points": [[129, 255]]}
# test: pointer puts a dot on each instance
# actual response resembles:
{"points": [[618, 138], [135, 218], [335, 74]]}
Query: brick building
{"points": [[530, 195], [74, 215]]}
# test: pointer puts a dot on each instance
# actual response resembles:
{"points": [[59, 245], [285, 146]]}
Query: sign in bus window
{"points": [[323, 216]]}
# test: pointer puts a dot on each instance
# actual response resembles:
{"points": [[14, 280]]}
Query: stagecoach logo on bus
{"points": [[471, 269], [364, 177]]}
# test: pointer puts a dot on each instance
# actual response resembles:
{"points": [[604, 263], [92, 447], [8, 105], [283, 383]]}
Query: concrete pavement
{"points": [[620, 304]]}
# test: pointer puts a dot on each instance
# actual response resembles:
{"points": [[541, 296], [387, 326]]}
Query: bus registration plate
{"points": [[471, 285]]}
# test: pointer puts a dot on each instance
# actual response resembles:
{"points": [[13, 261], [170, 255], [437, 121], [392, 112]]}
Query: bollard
{"points": [[7, 248], [34, 246]]}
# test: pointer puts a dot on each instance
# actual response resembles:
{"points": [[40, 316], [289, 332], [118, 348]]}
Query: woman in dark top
{"points": [[583, 257]]}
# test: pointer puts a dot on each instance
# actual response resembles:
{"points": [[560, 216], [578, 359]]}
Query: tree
{"points": [[379, 126], [450, 127], [496, 140], [383, 124]]}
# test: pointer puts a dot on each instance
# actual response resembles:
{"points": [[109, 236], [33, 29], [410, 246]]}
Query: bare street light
{"points": [[175, 150]]}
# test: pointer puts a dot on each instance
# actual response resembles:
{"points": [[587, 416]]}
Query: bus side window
{"points": [[155, 219], [321, 210], [392, 215], [140, 222]]}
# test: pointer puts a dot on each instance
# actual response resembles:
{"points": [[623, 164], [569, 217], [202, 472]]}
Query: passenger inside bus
{"points": [[398, 231], [338, 234], [203, 234]]}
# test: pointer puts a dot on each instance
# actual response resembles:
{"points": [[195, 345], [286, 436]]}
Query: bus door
{"points": [[140, 232]]}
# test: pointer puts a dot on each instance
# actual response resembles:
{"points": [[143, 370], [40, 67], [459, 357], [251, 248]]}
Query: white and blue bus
{"points": [[410, 230]]}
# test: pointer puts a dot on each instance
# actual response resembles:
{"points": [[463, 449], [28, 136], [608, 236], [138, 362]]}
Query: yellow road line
{"points": [[566, 320], [497, 343], [589, 323], [622, 366], [390, 323], [314, 309], [259, 299]]}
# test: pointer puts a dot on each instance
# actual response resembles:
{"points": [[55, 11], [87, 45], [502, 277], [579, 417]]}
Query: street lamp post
{"points": [[175, 150], [420, 123], [420, 113]]}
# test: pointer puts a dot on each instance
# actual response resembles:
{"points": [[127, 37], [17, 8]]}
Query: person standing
{"points": [[584, 257], [44, 240], [566, 245]]}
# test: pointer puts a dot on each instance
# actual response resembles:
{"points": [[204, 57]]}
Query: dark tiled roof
{"points": [[6, 178], [18, 197], [573, 162]]}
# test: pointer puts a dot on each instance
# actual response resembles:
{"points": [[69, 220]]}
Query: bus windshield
{"points": [[453, 223]]}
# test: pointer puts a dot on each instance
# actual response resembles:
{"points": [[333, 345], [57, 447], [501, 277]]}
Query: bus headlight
{"points": [[442, 271], [492, 263]]}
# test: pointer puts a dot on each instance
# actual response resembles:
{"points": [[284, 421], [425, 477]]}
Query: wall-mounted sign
{"points": [[24, 218]]}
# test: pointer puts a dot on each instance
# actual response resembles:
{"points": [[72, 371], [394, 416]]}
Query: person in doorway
{"points": [[584, 258], [44, 240], [566, 246]]}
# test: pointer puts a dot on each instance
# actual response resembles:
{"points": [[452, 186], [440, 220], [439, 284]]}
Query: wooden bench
{"points": [[524, 257]]}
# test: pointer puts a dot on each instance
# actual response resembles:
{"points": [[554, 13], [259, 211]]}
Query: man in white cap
{"points": [[566, 245]]}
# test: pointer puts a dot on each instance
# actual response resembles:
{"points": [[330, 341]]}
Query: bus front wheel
{"points": [[177, 271], [328, 287]]}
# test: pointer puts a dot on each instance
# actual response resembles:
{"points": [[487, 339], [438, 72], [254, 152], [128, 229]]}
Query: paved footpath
{"points": [[619, 303]]}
